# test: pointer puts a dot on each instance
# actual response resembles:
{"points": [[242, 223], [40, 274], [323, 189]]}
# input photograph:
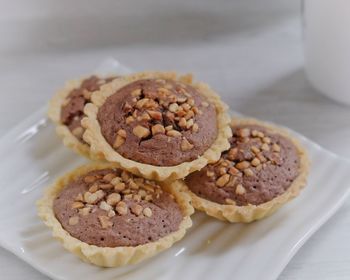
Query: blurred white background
{"points": [[250, 51]]}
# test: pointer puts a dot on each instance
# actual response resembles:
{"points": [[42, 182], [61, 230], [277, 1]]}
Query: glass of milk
{"points": [[327, 47]]}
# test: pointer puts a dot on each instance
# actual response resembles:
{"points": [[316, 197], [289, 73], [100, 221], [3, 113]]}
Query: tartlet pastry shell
{"points": [[249, 213], [101, 147], [106, 256]]}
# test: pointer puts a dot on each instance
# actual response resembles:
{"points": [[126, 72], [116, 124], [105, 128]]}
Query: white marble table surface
{"points": [[249, 51]]}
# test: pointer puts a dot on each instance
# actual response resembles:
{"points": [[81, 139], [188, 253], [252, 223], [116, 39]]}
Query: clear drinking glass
{"points": [[327, 46]]}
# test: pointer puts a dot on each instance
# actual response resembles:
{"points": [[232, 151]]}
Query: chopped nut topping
{"points": [[173, 133], [182, 122], [122, 208], [155, 115], [240, 189], [119, 140], [109, 177], [105, 222], [89, 179], [255, 162], [113, 199], [173, 107], [106, 186], [255, 150], [119, 186], [93, 198], [73, 221], [84, 211], [77, 205], [136, 209], [141, 132], [195, 127], [186, 145], [122, 133], [111, 213], [205, 104], [267, 140], [232, 153], [242, 165], [248, 172], [158, 129], [265, 147], [79, 197], [129, 120], [276, 147], [105, 206], [223, 180], [233, 171], [147, 212], [94, 188]]}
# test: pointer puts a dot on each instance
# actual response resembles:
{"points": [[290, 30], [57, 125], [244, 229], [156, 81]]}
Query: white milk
{"points": [[327, 46]]}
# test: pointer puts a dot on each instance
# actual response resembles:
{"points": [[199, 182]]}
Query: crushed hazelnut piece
{"points": [[106, 186], [119, 140], [242, 165], [155, 115], [136, 209], [182, 122], [210, 173], [255, 162], [276, 147], [240, 189], [222, 170], [147, 212], [186, 145], [129, 120], [248, 172], [119, 186], [73, 221], [84, 211], [223, 180], [94, 188], [92, 198], [105, 222], [113, 199], [169, 127], [158, 129], [78, 131], [105, 206], [122, 133], [173, 107], [265, 147], [255, 149], [89, 179], [232, 153], [205, 104], [136, 92], [233, 171], [122, 208], [109, 177], [189, 124], [260, 134], [111, 213], [195, 127], [79, 197], [125, 176], [173, 133], [77, 205], [141, 132], [267, 140]]}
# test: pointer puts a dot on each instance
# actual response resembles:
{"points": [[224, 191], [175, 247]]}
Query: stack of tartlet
{"points": [[162, 144]]}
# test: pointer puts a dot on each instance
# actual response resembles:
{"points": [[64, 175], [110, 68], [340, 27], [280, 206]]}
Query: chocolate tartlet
{"points": [[110, 217], [263, 169], [66, 110], [157, 125]]}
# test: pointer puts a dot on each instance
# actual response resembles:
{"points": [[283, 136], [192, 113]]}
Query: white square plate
{"points": [[32, 156]]}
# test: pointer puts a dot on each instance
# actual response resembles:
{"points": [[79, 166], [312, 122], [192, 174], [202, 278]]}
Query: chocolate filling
{"points": [[158, 122], [259, 166], [143, 213], [73, 111]]}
